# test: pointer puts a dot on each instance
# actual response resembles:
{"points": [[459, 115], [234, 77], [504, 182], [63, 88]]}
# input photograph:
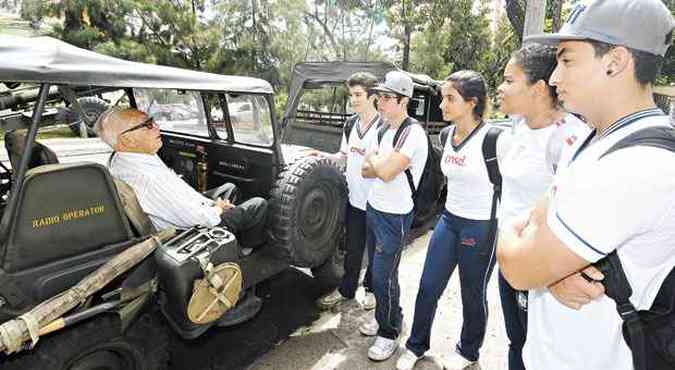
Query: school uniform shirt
{"points": [[164, 197], [355, 147], [625, 202], [395, 196], [470, 191], [531, 162]]}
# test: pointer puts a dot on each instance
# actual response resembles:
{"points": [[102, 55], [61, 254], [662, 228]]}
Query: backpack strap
{"points": [[491, 163], [349, 125], [615, 282], [443, 135], [408, 122], [380, 134], [658, 137], [618, 288]]}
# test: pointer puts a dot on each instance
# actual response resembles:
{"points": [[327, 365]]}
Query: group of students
{"points": [[562, 208]]}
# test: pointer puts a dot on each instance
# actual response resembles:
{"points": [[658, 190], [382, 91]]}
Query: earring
{"points": [[609, 72]]}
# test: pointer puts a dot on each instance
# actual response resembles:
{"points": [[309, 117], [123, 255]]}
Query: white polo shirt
{"points": [[395, 196], [469, 188], [625, 202], [355, 148], [532, 161]]}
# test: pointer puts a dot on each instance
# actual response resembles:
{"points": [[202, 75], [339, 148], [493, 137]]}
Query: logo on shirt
{"points": [[469, 242], [571, 140], [356, 149], [457, 160]]}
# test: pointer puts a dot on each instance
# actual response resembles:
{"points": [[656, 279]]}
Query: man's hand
{"points": [[367, 170], [339, 158], [223, 204], [575, 291]]}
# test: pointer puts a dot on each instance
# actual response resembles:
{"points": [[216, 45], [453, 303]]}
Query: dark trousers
{"points": [[356, 244], [515, 321], [456, 241], [386, 237], [247, 220]]}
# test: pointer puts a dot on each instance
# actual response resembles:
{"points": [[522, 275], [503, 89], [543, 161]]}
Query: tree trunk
{"points": [[370, 40], [407, 31], [535, 15], [72, 17], [515, 11], [556, 15]]}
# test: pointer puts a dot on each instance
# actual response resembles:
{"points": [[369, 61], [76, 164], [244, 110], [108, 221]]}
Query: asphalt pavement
{"points": [[332, 341]]}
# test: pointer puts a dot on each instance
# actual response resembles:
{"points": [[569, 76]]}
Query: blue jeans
{"points": [[456, 241], [515, 321], [386, 237]]}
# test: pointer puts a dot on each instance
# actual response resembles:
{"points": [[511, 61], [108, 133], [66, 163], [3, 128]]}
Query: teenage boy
{"points": [[609, 54], [389, 210], [362, 131]]}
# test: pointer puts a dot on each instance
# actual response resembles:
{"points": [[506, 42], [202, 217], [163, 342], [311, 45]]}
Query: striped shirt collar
{"points": [[616, 126], [627, 120], [368, 126]]}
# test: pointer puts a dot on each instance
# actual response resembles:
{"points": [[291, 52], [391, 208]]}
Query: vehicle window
{"points": [[251, 119], [328, 106], [174, 110], [215, 107]]}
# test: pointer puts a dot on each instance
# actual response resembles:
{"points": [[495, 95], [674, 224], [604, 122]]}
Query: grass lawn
{"points": [[13, 25]]}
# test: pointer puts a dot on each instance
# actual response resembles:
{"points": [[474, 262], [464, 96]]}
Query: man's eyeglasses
{"points": [[386, 96], [148, 123]]}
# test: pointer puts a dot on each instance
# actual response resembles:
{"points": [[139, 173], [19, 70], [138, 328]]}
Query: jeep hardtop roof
{"points": [[314, 75], [48, 60]]}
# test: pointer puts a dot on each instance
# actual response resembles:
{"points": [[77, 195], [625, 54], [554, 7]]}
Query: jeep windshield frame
{"points": [[51, 63]]}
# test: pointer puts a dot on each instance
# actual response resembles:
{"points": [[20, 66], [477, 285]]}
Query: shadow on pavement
{"points": [[288, 304]]}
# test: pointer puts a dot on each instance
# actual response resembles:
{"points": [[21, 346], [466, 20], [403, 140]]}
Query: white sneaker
{"points": [[369, 328], [458, 362], [382, 349], [407, 360], [330, 300], [368, 301]]}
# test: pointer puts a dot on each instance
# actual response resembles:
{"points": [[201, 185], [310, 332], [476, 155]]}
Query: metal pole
{"points": [[535, 15], [20, 173]]}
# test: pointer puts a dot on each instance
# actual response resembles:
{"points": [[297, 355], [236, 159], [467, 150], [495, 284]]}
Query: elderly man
{"points": [[165, 197]]}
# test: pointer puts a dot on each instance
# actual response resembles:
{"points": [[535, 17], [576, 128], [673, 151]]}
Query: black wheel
{"points": [[92, 107], [329, 274], [98, 344], [307, 209]]}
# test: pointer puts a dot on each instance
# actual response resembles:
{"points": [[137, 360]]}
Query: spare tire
{"points": [[92, 107], [307, 211]]}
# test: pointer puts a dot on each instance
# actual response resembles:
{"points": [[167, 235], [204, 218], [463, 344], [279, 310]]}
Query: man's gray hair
{"points": [[109, 125]]}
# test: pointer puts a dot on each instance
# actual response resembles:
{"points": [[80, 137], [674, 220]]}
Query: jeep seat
{"points": [[64, 211], [15, 143]]}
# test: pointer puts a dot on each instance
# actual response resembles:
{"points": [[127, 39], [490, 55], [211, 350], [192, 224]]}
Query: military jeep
{"points": [[63, 221], [317, 110]]}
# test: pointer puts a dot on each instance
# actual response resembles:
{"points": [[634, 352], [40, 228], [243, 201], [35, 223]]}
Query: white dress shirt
{"points": [[165, 197]]}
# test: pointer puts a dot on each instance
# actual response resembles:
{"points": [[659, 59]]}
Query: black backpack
{"points": [[490, 157], [650, 334], [349, 125], [427, 192]]}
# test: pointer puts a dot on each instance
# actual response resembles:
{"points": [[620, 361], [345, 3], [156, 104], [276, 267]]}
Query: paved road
{"points": [[333, 342]]}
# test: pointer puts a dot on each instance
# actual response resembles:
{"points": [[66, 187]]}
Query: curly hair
{"points": [[538, 62]]}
